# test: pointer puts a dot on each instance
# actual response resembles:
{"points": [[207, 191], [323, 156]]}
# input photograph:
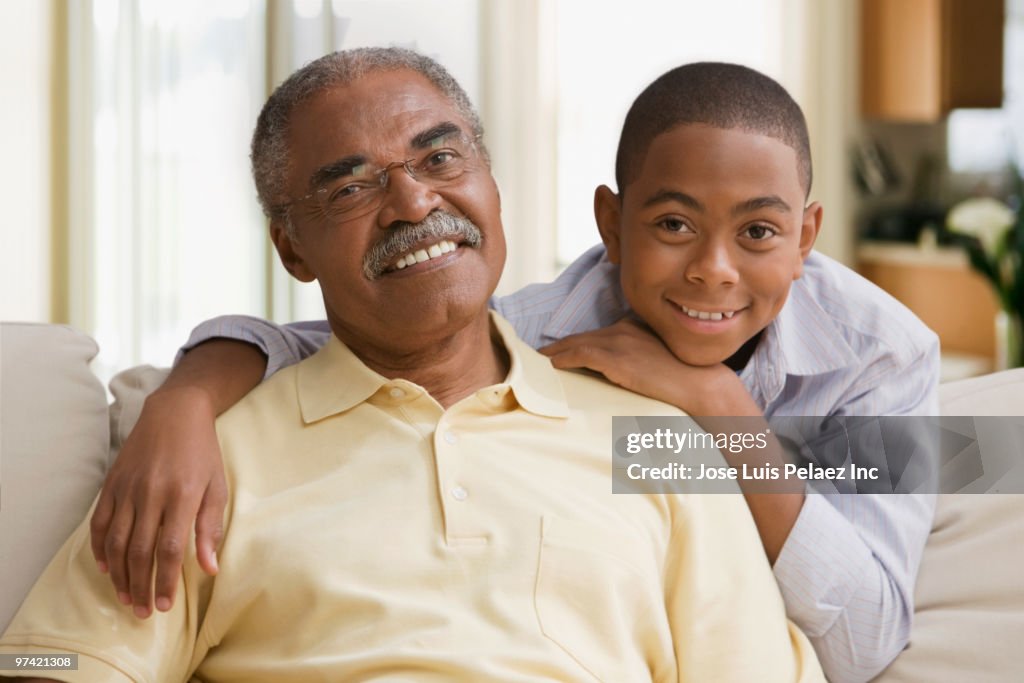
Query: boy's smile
{"points": [[709, 235]]}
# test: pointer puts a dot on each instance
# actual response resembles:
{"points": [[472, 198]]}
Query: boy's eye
{"points": [[760, 232], [674, 225]]}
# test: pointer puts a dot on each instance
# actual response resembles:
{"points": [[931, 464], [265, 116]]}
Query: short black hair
{"points": [[718, 95]]}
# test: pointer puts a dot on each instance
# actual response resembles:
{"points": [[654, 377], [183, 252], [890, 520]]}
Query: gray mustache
{"points": [[403, 236]]}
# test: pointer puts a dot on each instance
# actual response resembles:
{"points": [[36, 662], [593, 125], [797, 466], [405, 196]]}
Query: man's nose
{"points": [[712, 264], [406, 198]]}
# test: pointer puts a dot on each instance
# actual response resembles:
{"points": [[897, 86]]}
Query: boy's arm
{"points": [[169, 471], [849, 571], [847, 563]]}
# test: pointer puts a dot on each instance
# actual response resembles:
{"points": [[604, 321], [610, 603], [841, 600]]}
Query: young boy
{"points": [[709, 243]]}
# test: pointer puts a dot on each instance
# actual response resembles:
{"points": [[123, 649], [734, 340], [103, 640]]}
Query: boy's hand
{"points": [[632, 356], [168, 471]]}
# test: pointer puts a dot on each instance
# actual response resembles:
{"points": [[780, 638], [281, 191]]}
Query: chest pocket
{"points": [[599, 596]]}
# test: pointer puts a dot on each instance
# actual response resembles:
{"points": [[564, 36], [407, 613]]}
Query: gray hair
{"points": [[271, 161]]}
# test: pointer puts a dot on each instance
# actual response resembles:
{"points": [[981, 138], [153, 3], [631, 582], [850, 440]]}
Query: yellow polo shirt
{"points": [[373, 535]]}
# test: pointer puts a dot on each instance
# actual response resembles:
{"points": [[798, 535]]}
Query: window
{"points": [[164, 227], [608, 52], [986, 141]]}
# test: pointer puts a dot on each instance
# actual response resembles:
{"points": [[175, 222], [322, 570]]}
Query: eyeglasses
{"points": [[362, 188]]}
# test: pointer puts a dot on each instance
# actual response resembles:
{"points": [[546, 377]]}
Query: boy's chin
{"points": [[700, 359]]}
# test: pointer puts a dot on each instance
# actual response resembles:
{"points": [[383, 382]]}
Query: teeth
{"points": [[421, 255], [708, 315]]}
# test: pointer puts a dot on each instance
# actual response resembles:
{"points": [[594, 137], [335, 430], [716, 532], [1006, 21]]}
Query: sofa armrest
{"points": [[54, 439]]}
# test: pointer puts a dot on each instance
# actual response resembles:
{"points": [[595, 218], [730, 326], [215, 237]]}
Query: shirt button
{"points": [[396, 392], [460, 494], [450, 437]]}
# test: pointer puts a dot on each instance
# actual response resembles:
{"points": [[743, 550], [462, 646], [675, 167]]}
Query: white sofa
{"points": [[58, 436]]}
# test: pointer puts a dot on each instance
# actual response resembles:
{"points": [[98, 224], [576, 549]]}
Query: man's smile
{"points": [[426, 258], [420, 253]]}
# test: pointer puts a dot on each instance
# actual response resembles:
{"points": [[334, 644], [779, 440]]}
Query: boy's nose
{"points": [[712, 265], [407, 199]]}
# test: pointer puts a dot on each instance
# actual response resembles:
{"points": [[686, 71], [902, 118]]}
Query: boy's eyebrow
{"points": [[772, 201], [674, 196]]}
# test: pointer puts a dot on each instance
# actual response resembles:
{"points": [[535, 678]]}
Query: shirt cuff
{"points": [[821, 566]]}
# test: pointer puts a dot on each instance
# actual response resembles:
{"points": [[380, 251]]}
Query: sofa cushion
{"points": [[969, 601], [1001, 393], [53, 448]]}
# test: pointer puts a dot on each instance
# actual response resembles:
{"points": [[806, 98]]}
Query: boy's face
{"points": [[709, 236]]}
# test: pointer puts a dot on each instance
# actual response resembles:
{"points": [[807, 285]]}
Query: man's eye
{"points": [[346, 191], [441, 158], [760, 232]]}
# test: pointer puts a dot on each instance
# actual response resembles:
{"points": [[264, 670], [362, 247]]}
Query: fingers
{"points": [[210, 525], [617, 335], [595, 358], [115, 548], [170, 553], [574, 341], [139, 561], [99, 525]]}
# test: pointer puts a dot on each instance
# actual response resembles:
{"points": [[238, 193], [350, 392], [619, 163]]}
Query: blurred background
{"points": [[130, 212]]}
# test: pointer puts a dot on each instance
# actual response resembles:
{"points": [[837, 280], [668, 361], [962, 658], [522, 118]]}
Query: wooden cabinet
{"points": [[939, 286], [922, 58]]}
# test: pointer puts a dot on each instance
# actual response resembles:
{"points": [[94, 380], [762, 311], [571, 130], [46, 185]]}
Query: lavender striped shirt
{"points": [[840, 346]]}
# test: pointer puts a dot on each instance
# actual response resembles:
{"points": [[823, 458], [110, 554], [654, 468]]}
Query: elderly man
{"points": [[426, 498]]}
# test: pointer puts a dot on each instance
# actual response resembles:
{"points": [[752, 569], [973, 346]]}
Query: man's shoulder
{"points": [[275, 399], [592, 393], [869, 319]]}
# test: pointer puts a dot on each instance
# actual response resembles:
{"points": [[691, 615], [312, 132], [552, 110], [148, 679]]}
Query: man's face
{"points": [[709, 235], [335, 138]]}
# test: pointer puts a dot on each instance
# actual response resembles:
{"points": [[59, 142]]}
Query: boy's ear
{"points": [[810, 228], [287, 250], [608, 214]]}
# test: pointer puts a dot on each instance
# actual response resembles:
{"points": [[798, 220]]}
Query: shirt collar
{"points": [[802, 325], [792, 344], [334, 380], [535, 384]]}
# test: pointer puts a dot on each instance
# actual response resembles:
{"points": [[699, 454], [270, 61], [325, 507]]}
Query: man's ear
{"points": [[809, 229], [288, 251], [608, 214]]}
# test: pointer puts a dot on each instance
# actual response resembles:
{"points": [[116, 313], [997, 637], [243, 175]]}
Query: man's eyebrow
{"points": [[674, 196], [344, 166], [772, 201], [336, 169], [426, 138]]}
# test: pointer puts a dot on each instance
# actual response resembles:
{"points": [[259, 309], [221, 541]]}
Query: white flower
{"points": [[982, 217]]}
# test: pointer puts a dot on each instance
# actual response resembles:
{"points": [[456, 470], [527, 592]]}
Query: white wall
{"points": [[25, 38]]}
